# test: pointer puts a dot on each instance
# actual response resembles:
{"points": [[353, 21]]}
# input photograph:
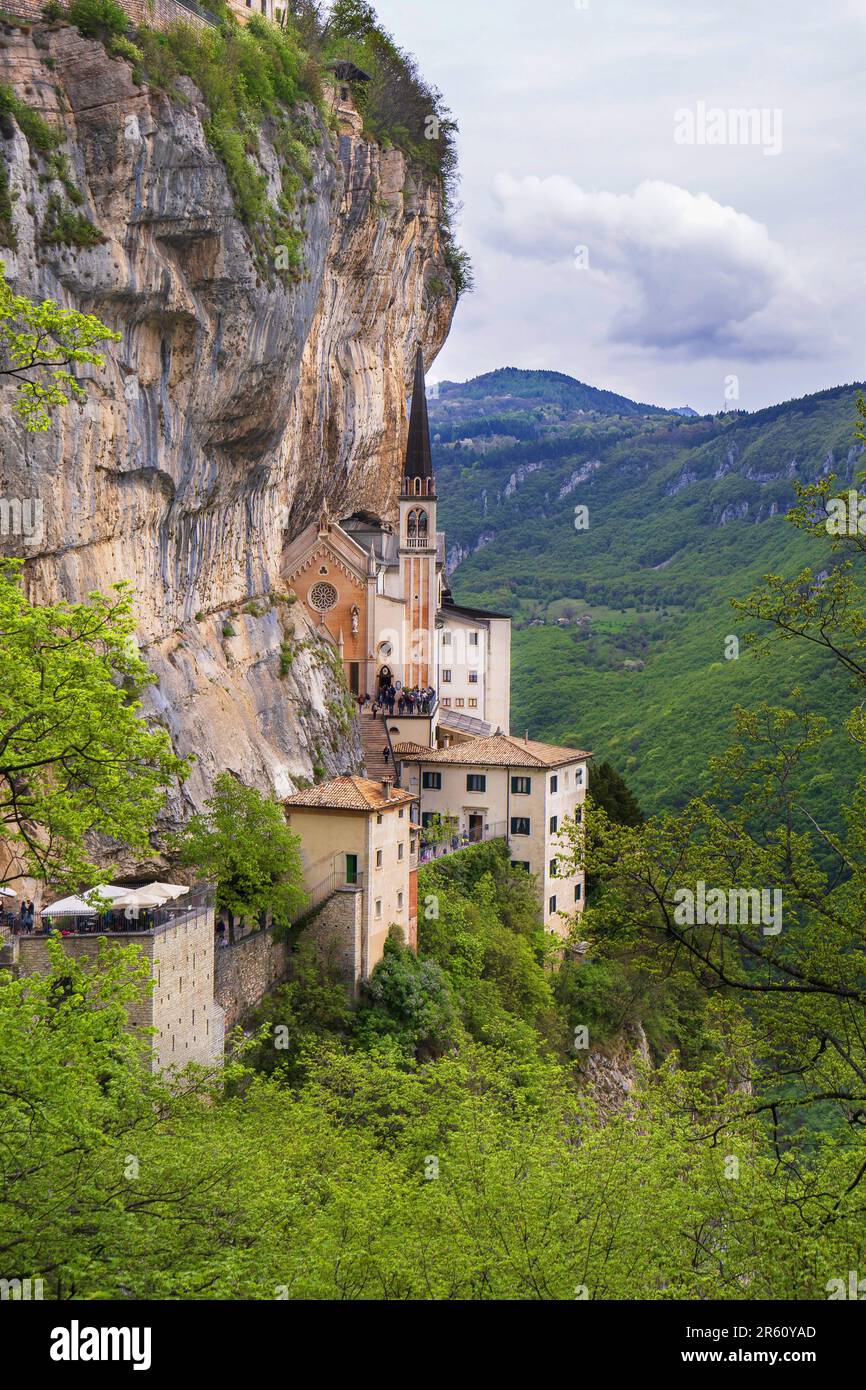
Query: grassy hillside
{"points": [[622, 614]]}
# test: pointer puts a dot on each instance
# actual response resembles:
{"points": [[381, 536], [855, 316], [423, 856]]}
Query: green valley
{"points": [[622, 614]]}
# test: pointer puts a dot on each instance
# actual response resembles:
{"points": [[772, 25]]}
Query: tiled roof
{"points": [[482, 614], [499, 750], [406, 750], [348, 794]]}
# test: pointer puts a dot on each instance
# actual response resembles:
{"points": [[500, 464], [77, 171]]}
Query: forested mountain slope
{"points": [[622, 612]]}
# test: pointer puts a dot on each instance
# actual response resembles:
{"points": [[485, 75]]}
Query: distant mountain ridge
{"points": [[514, 388], [620, 626]]}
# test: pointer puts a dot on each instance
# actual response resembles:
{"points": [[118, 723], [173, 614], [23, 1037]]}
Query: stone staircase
{"points": [[374, 737]]}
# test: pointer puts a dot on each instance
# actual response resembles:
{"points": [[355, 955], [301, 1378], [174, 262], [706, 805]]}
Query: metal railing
{"points": [[198, 10], [313, 898], [332, 883], [415, 713], [199, 902], [461, 839]]}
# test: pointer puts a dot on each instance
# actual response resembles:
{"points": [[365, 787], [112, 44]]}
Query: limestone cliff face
{"points": [[233, 404]]}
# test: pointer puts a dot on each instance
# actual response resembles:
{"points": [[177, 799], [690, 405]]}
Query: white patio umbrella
{"points": [[8, 892], [140, 897], [105, 890], [82, 905], [72, 906], [171, 890]]}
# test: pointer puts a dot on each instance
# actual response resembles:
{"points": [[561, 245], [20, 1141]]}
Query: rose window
{"points": [[322, 596]]}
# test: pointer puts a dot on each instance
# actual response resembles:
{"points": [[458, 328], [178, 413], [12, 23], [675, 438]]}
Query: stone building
{"points": [[344, 77], [474, 659], [378, 591], [179, 948], [245, 9], [508, 788], [359, 846]]}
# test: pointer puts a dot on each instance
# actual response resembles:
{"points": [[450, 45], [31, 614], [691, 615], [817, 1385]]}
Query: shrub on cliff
{"points": [[246, 74], [98, 18], [398, 106]]}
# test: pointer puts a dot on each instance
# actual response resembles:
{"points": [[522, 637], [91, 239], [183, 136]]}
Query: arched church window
{"points": [[417, 487], [322, 596], [422, 523], [412, 523]]}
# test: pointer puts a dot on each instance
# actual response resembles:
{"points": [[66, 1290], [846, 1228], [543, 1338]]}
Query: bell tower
{"points": [[418, 543]]}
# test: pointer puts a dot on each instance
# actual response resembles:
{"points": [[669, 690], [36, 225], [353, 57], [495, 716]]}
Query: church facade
{"points": [[377, 590]]}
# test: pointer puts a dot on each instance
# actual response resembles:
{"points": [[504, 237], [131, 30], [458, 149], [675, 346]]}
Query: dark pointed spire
{"points": [[419, 464]]}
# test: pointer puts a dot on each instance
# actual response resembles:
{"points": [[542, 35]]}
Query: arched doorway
{"points": [[385, 678]]}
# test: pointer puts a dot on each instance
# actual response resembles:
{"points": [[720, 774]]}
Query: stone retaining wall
{"points": [[154, 13], [246, 971]]}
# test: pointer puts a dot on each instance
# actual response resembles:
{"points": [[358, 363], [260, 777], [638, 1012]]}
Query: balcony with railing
{"points": [[436, 845]]}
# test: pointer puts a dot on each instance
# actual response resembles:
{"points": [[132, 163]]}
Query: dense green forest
{"points": [[622, 622], [436, 1141]]}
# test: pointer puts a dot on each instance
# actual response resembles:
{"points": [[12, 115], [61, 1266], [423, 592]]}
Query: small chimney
{"points": [[387, 787], [525, 735], [446, 740]]}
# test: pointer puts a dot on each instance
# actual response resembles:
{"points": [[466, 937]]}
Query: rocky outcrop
{"points": [[610, 1074], [458, 553], [234, 403]]}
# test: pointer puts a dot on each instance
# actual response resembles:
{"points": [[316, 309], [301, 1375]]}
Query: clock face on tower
{"points": [[322, 596]]}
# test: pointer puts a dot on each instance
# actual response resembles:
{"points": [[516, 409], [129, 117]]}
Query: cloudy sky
{"points": [[626, 226]]}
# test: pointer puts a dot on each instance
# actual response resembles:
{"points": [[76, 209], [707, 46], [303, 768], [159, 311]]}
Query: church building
{"points": [[377, 589]]}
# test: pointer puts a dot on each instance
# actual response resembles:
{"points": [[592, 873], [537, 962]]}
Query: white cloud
{"points": [[685, 273], [546, 88]]}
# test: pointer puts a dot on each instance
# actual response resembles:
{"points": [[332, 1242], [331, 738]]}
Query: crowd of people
{"points": [[391, 700]]}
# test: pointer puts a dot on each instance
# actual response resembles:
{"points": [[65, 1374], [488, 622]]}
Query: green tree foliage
{"points": [[612, 793], [478, 1176], [312, 1007], [409, 999], [440, 828], [106, 1184], [242, 840], [39, 343], [76, 758], [478, 919], [97, 18], [796, 964]]}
